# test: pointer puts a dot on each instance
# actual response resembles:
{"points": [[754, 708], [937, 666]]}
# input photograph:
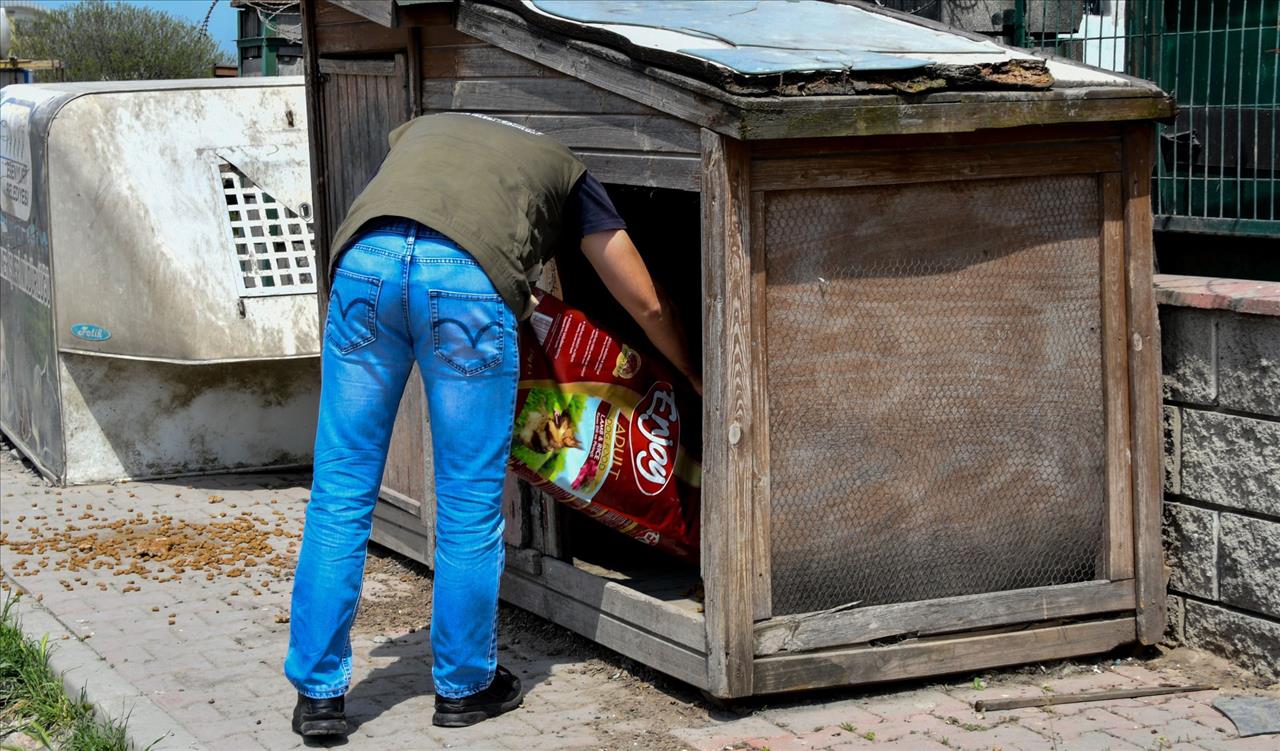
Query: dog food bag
{"points": [[598, 428]]}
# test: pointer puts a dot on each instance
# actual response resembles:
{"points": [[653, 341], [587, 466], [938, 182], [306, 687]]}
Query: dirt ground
{"points": [[397, 599]]}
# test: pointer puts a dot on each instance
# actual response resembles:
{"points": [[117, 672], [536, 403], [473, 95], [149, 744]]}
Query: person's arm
{"points": [[624, 273]]}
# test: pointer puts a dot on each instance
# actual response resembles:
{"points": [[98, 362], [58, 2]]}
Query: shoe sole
{"points": [[479, 714], [315, 728]]}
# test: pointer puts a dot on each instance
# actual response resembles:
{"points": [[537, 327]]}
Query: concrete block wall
{"points": [[1222, 473]]}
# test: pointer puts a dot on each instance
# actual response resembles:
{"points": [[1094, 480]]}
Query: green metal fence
{"points": [[1218, 163]]}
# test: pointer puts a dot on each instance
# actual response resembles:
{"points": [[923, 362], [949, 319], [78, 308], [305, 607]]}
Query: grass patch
{"points": [[33, 702]]}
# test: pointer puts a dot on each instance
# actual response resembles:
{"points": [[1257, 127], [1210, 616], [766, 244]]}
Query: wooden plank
{"points": [[810, 147], [853, 116], [359, 38], [483, 61], [1117, 560], [678, 586], [655, 133], [645, 170], [937, 657], [926, 166], [397, 91], [810, 104], [316, 130], [761, 545], [334, 14], [413, 62], [1002, 705], [426, 13], [508, 31], [547, 528], [330, 169], [549, 519], [339, 31], [338, 166], [525, 95], [728, 426], [524, 560], [400, 500], [408, 469], [616, 598], [383, 67], [839, 627], [381, 12], [1144, 384], [400, 531], [607, 629], [437, 36], [552, 521]]}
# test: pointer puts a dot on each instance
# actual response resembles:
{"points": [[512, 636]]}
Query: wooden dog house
{"points": [[931, 431]]}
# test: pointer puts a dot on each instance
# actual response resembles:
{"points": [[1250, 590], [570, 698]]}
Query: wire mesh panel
{"points": [[273, 244], [935, 399]]}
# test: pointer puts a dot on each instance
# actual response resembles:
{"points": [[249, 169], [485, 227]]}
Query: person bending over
{"points": [[434, 264]]}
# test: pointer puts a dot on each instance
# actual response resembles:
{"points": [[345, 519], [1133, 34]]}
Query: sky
{"points": [[222, 25]]}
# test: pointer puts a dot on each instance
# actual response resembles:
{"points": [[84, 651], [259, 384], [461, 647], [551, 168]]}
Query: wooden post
{"points": [[414, 81], [761, 543], [727, 485], [315, 139], [1117, 553], [1144, 385]]}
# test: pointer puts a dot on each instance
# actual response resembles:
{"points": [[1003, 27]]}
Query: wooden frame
{"points": [[640, 125], [728, 414], [1144, 384]]}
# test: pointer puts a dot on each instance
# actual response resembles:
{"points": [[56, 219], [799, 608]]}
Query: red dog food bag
{"points": [[598, 428]]}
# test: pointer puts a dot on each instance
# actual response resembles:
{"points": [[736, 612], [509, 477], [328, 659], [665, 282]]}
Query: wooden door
{"points": [[364, 100]]}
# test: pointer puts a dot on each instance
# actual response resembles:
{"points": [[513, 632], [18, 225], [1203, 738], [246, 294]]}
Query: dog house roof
{"points": [[752, 37], [789, 60]]}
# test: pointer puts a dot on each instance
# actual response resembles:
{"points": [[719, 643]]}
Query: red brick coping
{"points": [[1240, 295]]}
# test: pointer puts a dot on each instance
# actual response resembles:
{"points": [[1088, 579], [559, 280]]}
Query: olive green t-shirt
{"points": [[495, 188]]}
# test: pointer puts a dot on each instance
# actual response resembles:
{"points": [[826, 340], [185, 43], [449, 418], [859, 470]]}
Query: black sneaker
{"points": [[503, 695], [316, 717]]}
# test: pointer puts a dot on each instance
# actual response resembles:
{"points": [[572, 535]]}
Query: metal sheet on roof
{"points": [[756, 37]]}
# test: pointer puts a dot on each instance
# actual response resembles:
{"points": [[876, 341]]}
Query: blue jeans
{"points": [[402, 294]]}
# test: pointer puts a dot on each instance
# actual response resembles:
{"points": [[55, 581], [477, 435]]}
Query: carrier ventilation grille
{"points": [[273, 244]]}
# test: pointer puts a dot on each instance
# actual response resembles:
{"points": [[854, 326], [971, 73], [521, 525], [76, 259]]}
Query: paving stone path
{"points": [[199, 649]]}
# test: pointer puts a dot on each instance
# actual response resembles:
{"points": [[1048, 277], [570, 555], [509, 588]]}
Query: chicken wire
{"points": [[936, 412]]}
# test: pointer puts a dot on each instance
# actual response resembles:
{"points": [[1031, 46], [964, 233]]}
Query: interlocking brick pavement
{"points": [[205, 652]]}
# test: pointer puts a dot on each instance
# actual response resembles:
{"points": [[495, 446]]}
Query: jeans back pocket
{"points": [[353, 310], [468, 330]]}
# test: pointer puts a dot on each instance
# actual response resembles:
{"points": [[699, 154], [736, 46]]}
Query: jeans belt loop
{"points": [[410, 238]]}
